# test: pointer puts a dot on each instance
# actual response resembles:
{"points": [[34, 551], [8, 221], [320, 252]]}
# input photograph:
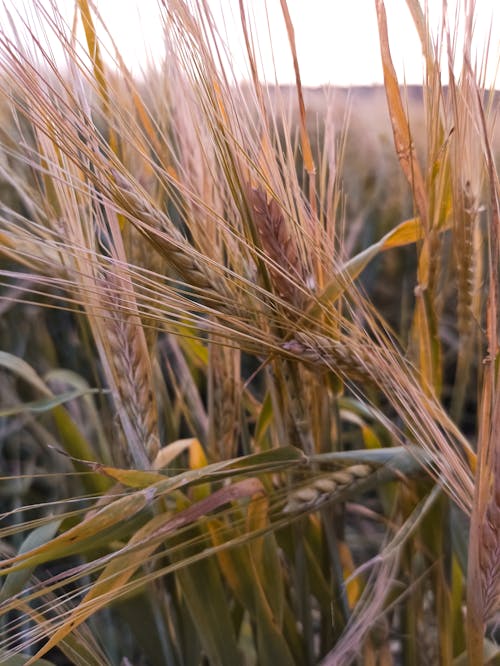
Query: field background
{"points": [[249, 361]]}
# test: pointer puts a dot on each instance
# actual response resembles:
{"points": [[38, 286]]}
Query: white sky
{"points": [[337, 40]]}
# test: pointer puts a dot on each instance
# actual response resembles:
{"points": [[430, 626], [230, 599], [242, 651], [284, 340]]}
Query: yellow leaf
{"points": [[129, 477], [353, 587], [105, 517], [406, 233], [257, 518], [197, 460], [197, 457], [112, 578], [370, 439], [168, 453]]}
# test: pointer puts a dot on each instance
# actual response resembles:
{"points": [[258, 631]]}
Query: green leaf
{"points": [[144, 616], [15, 581], [265, 418], [267, 461], [406, 459], [70, 541], [71, 437], [24, 371], [45, 404], [205, 597]]}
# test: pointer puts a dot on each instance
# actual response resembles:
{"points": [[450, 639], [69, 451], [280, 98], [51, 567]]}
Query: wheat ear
{"points": [[326, 487], [130, 366], [279, 245], [159, 230]]}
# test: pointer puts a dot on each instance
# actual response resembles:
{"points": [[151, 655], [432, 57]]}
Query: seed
{"points": [[360, 471], [306, 495], [292, 505], [343, 478], [325, 485]]}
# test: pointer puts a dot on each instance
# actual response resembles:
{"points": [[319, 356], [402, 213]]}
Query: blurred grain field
{"points": [[249, 357]]}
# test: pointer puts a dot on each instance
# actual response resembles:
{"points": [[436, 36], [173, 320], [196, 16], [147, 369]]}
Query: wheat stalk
{"points": [[224, 399]]}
